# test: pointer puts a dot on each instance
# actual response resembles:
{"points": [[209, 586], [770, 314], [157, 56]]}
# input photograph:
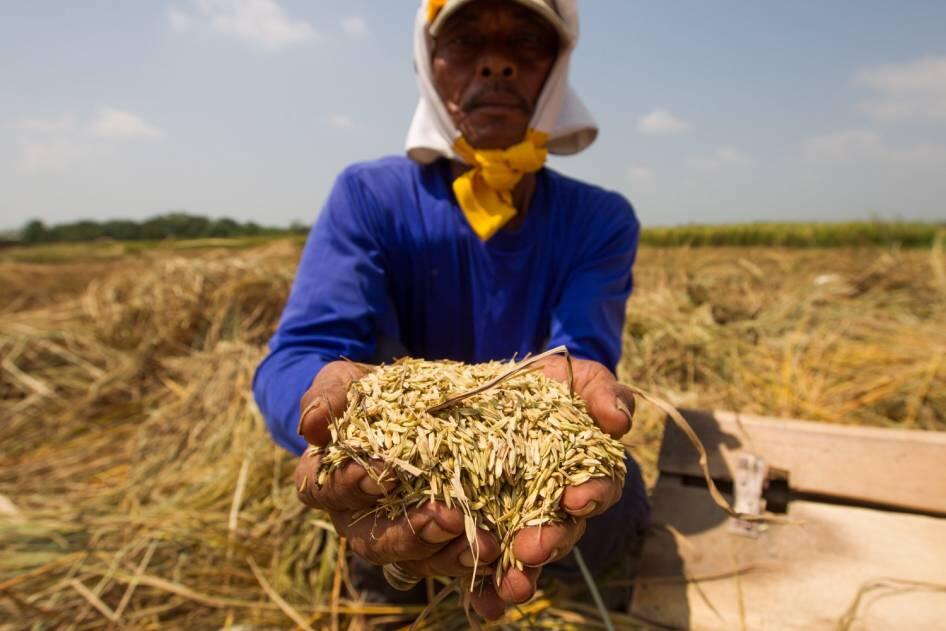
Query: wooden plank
{"points": [[794, 576], [897, 468]]}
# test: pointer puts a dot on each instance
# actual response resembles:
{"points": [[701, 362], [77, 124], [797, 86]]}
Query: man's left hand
{"points": [[611, 405]]}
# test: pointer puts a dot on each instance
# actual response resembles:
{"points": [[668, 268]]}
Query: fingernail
{"points": [[622, 406], [315, 404], [433, 533], [587, 509], [369, 486], [466, 558], [551, 557]]}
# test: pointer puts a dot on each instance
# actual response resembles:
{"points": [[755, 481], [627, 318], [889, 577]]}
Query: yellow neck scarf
{"points": [[485, 191]]}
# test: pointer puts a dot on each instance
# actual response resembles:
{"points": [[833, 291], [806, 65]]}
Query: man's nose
{"points": [[496, 65]]}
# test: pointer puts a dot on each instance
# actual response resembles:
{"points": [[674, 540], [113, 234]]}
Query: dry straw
{"points": [[123, 449]]}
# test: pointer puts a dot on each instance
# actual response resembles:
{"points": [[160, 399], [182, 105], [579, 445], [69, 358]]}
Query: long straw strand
{"points": [[593, 588]]}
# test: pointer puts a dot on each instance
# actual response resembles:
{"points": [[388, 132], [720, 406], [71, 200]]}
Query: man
{"points": [[468, 250]]}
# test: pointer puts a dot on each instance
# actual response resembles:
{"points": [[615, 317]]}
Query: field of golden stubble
{"points": [[138, 484]]}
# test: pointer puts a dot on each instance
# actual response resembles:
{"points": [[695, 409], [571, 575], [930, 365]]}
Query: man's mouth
{"points": [[495, 108], [496, 101]]}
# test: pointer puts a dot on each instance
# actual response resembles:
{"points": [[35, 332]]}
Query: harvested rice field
{"points": [[139, 489]]}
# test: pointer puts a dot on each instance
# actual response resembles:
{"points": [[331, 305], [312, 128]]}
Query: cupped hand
{"points": [[427, 541], [611, 405]]}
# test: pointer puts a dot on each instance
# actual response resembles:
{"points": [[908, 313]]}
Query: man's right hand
{"points": [[428, 541]]}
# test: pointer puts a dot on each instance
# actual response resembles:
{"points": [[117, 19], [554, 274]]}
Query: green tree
{"points": [[34, 232]]}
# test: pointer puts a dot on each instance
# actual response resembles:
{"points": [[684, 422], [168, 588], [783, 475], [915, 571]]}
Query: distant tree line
{"points": [[175, 225], [800, 235], [180, 225]]}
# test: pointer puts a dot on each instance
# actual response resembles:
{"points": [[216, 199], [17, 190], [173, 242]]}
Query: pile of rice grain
{"points": [[504, 455]]}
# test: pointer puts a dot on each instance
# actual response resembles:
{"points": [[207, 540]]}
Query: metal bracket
{"points": [[749, 481]]}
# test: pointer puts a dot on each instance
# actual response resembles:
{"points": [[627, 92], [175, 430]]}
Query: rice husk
{"points": [[504, 455]]}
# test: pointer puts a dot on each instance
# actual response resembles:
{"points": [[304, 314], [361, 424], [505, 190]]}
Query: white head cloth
{"points": [[559, 112]]}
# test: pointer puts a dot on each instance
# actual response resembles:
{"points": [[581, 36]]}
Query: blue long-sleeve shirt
{"points": [[392, 268]]}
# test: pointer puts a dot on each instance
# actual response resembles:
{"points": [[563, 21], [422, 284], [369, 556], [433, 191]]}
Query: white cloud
{"points": [[341, 121], [661, 122], [915, 89], [46, 142], [121, 125], [56, 142], [45, 124], [640, 174], [180, 20], [47, 152], [354, 25], [263, 23], [722, 158], [858, 147], [847, 145]]}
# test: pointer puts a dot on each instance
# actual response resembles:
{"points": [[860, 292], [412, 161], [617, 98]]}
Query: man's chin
{"points": [[495, 136]]}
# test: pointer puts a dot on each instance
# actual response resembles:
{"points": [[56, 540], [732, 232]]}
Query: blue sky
{"points": [[710, 112]]}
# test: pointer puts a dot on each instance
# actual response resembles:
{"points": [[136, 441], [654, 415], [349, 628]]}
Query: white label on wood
{"points": [[750, 477]]}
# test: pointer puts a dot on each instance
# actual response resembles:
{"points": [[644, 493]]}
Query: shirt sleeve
{"points": [[589, 317], [333, 310]]}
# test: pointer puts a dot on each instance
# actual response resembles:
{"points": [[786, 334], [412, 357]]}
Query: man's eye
{"points": [[463, 41], [529, 38], [530, 42]]}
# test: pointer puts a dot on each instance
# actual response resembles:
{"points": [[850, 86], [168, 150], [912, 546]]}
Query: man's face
{"points": [[490, 61]]}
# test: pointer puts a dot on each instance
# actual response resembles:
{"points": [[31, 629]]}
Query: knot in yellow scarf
{"points": [[485, 191]]}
